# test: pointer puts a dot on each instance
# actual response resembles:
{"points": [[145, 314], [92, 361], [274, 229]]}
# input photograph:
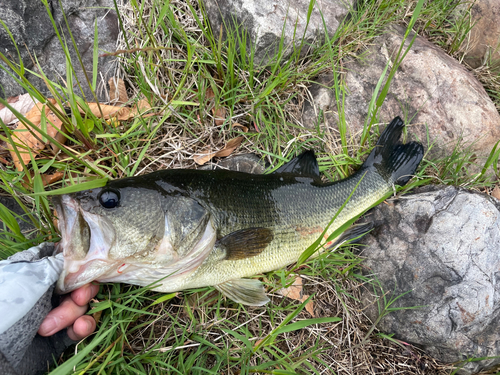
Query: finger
{"points": [[61, 317], [83, 326], [84, 294]]}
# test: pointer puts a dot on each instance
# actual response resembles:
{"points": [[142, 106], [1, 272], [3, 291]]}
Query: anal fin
{"points": [[245, 291], [353, 233]]}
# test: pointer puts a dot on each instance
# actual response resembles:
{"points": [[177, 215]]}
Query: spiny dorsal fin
{"points": [[245, 291], [305, 165], [245, 243]]}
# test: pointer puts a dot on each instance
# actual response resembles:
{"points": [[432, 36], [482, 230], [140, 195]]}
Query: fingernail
{"points": [[88, 294], [49, 325], [89, 326]]}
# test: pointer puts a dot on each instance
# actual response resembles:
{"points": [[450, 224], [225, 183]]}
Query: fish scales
{"points": [[180, 229], [297, 208]]}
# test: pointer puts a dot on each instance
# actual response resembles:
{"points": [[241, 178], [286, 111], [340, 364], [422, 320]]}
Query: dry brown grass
{"points": [[345, 347], [183, 136]]}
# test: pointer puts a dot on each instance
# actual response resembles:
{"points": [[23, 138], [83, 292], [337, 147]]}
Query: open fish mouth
{"points": [[86, 241], [91, 246]]}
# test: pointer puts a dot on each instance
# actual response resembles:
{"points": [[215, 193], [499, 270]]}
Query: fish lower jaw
{"points": [[79, 273], [74, 266]]}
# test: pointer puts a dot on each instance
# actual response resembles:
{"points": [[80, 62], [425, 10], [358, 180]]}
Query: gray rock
{"points": [[248, 163], [23, 220], [265, 21], [484, 42], [442, 246], [319, 102], [33, 32], [430, 88]]}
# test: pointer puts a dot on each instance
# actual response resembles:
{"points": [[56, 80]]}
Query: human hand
{"points": [[71, 314], [27, 280]]}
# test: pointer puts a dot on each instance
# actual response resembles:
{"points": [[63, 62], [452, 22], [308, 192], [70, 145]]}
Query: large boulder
{"points": [[265, 21], [430, 89], [441, 246], [485, 34], [33, 32]]}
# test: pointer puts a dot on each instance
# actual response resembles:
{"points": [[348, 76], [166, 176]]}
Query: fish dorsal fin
{"points": [[245, 291], [245, 243], [305, 165]]}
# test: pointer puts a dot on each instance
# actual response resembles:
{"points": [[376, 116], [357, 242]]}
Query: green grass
{"points": [[174, 60]]}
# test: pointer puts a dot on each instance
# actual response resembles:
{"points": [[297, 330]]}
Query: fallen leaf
{"points": [[232, 145], [30, 138], [218, 112], [295, 292], [115, 113], [258, 342], [96, 315], [57, 135], [22, 104], [10, 100], [48, 179], [106, 111], [143, 105], [243, 128], [496, 192], [117, 91], [209, 94], [219, 115], [140, 107]]}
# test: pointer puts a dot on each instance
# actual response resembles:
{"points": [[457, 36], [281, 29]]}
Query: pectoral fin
{"points": [[245, 291], [245, 243]]}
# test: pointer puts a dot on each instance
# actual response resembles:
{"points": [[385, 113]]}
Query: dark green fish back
{"points": [[285, 200]]}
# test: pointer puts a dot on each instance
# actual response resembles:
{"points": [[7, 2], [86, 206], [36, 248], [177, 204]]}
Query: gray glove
{"points": [[27, 281]]}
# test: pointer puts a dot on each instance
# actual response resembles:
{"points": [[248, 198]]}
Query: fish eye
{"points": [[109, 198]]}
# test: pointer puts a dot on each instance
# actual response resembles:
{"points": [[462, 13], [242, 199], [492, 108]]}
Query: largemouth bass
{"points": [[193, 228]]}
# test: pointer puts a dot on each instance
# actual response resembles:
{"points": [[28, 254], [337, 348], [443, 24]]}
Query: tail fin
{"points": [[395, 161]]}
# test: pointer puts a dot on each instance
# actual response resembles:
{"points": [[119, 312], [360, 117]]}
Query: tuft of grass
{"points": [[461, 168]]}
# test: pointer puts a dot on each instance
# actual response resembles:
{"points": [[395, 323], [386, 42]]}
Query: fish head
{"points": [[104, 229]]}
